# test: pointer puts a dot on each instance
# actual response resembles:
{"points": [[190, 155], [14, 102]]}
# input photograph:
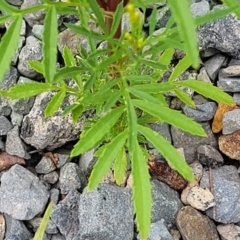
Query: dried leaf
{"points": [[217, 121], [2, 226], [163, 172], [6, 161]]}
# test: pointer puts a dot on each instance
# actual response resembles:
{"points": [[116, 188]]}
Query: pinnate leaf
{"points": [[168, 151], [27, 90], [106, 158], [37, 66], [50, 39], [8, 44], [142, 198], [207, 90], [55, 103], [120, 167], [173, 117], [97, 132]]}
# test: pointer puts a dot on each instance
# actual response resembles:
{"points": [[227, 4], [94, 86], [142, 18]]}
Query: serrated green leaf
{"points": [[41, 230], [142, 198], [7, 7], [152, 21], [168, 151], [69, 109], [182, 66], [154, 87], [184, 97], [55, 103], [84, 31], [50, 40], [98, 14], [132, 123], [88, 85], [140, 78], [117, 17], [3, 19], [112, 101], [207, 90], [153, 64], [186, 26], [27, 90], [67, 11], [8, 44], [173, 117], [97, 132], [105, 160], [37, 66], [214, 15], [120, 166], [77, 112], [166, 57], [98, 53], [233, 3], [68, 72]]}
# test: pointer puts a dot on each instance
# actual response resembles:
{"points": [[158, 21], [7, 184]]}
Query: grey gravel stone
{"points": [[5, 126], [87, 161], [199, 9], [2, 145], [58, 237], [166, 203], [231, 121], [23, 196], [65, 215], [158, 231], [15, 145], [71, 177], [15, 229], [63, 156], [5, 109], [190, 142], [16, 119], [105, 214], [45, 165], [201, 113], [52, 132], [236, 97], [209, 52], [15, 2], [37, 31], [209, 156], [31, 51], [234, 62], [213, 65], [22, 106], [226, 190], [51, 177], [36, 17], [54, 195], [203, 75], [9, 79], [231, 71], [50, 229], [228, 84], [21, 42], [23, 26], [222, 34]]}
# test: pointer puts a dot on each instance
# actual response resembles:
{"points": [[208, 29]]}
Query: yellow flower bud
{"points": [[130, 8], [140, 42], [134, 17]]}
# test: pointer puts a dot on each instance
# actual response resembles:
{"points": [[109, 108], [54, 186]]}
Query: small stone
{"points": [[65, 215], [51, 177], [15, 145], [71, 177], [197, 169], [106, 213], [203, 76], [234, 62], [9, 79], [229, 231], [108, 178], [201, 113], [63, 157], [217, 124], [23, 196], [229, 145], [87, 161], [236, 98], [209, 156], [231, 71], [158, 231], [58, 237], [31, 51], [16, 119], [5, 126], [190, 143], [16, 229], [2, 145], [45, 165], [166, 203], [185, 194], [231, 121], [21, 42], [200, 198], [50, 229], [37, 31], [194, 225], [213, 65], [226, 191], [228, 84], [15, 2], [199, 9], [54, 195], [209, 52]]}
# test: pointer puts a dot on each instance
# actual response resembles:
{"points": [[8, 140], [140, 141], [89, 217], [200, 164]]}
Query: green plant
{"points": [[122, 83]]}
